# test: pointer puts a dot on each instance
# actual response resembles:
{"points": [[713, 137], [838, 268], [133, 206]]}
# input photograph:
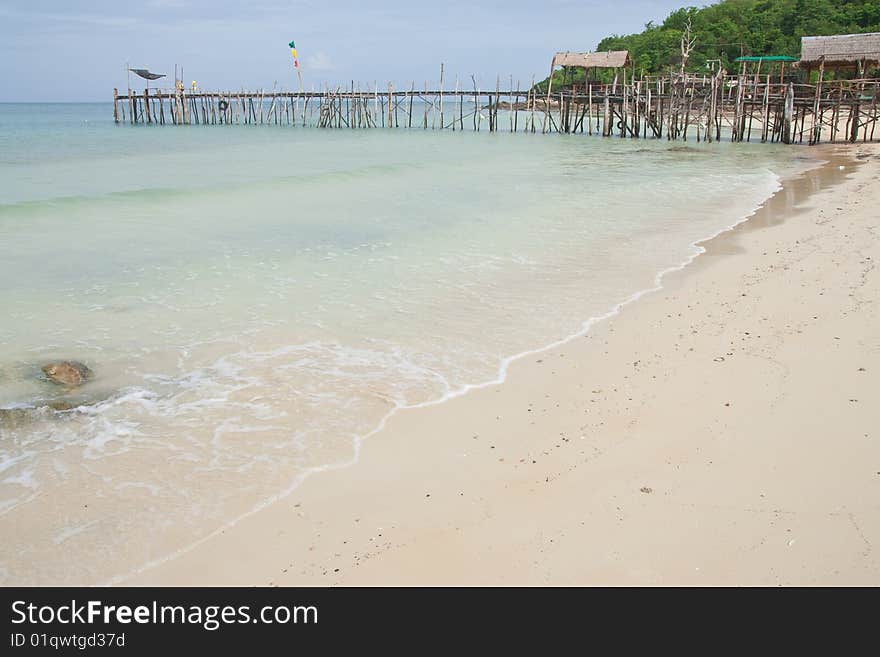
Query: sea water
{"points": [[254, 300]]}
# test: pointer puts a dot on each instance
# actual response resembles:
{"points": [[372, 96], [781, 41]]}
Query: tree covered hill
{"points": [[732, 28]]}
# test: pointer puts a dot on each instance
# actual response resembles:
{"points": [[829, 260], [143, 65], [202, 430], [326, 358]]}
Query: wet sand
{"points": [[722, 430]]}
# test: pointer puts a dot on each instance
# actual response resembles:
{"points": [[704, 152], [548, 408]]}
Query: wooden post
{"points": [[855, 108], [787, 114], [835, 113], [460, 107], [390, 101], [375, 101], [817, 123], [801, 130], [532, 99], [606, 117], [765, 111], [115, 105], [874, 116], [737, 110], [491, 114], [478, 116], [497, 98], [515, 111], [590, 106], [454, 100], [642, 108], [562, 114], [547, 105], [687, 112], [510, 104], [441, 95]]}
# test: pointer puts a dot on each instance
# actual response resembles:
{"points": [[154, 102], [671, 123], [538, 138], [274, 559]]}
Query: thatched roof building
{"points": [[609, 59], [842, 50]]}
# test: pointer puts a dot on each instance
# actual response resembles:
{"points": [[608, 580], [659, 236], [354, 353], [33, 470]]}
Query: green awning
{"points": [[768, 58]]}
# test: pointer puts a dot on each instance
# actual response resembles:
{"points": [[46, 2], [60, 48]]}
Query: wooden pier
{"points": [[739, 108]]}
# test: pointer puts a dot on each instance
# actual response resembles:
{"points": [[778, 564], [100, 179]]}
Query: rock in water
{"points": [[68, 373], [62, 404], [13, 418]]}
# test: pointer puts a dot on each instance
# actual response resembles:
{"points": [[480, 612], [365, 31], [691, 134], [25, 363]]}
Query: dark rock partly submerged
{"points": [[53, 405], [686, 149], [15, 417], [68, 372], [26, 418]]}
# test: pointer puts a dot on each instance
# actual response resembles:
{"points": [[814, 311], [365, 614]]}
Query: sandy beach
{"points": [[719, 431]]}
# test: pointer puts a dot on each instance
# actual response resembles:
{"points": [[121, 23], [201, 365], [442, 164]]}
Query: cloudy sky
{"points": [[77, 50]]}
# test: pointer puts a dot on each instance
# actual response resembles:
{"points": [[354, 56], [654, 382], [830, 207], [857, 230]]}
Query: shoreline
{"points": [[500, 378], [192, 565]]}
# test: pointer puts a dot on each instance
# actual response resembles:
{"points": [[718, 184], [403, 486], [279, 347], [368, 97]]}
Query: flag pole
{"points": [[292, 46]]}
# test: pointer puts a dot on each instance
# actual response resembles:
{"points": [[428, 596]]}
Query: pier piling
{"points": [[743, 106]]}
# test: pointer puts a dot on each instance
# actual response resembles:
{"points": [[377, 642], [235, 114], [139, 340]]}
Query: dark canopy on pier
{"points": [[145, 74]]}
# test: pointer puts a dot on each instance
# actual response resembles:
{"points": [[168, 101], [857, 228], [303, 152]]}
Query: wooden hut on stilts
{"points": [[853, 53], [613, 59]]}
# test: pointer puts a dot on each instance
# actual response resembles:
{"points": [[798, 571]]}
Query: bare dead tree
{"points": [[688, 41]]}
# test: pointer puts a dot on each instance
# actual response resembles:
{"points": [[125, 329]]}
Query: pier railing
{"points": [[704, 108]]}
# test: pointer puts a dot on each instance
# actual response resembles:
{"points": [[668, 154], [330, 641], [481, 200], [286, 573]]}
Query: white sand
{"points": [[725, 430]]}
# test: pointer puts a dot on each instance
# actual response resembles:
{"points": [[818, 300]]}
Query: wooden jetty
{"points": [[739, 107]]}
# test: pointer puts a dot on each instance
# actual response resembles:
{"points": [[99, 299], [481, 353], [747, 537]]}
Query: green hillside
{"points": [[732, 28]]}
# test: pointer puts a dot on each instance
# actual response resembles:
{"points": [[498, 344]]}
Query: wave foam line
{"points": [[501, 377]]}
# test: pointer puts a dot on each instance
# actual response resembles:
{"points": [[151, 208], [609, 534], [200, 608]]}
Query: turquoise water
{"points": [[254, 300]]}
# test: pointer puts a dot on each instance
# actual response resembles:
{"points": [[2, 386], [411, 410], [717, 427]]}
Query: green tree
{"points": [[731, 28]]}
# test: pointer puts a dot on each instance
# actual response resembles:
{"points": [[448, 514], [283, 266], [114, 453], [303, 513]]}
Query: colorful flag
{"points": [[296, 63]]}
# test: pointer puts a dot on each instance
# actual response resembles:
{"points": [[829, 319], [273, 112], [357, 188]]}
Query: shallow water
{"points": [[255, 299]]}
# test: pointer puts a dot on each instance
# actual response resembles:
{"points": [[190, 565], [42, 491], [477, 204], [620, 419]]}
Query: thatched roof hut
{"points": [[840, 51], [609, 59]]}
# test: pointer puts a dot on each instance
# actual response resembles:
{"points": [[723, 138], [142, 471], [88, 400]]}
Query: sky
{"points": [[77, 50]]}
